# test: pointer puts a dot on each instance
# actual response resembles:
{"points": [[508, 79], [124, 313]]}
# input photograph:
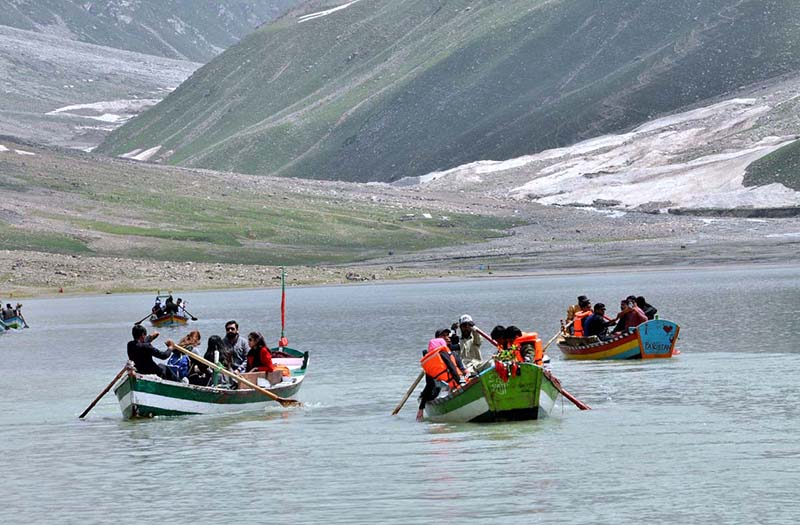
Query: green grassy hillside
{"points": [[385, 89], [782, 166], [81, 204], [194, 30]]}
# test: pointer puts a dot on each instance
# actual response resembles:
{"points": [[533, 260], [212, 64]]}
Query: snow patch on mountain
{"points": [[320, 14], [693, 159]]}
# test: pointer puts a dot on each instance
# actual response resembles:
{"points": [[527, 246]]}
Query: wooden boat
{"points": [[168, 320], [14, 323], [148, 395], [530, 394], [651, 340]]}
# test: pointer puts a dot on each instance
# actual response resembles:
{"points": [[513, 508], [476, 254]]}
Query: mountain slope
{"points": [[195, 30], [380, 89], [68, 93]]}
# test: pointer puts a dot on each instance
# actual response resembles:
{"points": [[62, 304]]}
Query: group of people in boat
{"points": [[231, 352], [170, 307], [452, 360], [585, 320], [10, 312]]}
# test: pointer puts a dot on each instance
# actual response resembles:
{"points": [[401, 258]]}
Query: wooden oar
{"points": [[578, 403], [104, 392], [556, 383], [408, 393], [486, 336], [557, 334], [193, 318], [143, 319], [281, 400]]}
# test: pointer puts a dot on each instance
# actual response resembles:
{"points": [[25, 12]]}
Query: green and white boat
{"points": [[501, 392], [149, 395]]}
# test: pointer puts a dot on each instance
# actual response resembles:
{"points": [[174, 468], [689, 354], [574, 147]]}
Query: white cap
{"points": [[465, 319]]}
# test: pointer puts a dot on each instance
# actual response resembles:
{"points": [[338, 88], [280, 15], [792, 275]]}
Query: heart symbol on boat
{"points": [[668, 329]]}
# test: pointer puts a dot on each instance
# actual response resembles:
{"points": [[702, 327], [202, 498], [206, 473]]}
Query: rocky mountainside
{"points": [[193, 30], [68, 93], [378, 90]]}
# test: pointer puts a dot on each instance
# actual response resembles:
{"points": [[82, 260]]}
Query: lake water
{"points": [[712, 436]]}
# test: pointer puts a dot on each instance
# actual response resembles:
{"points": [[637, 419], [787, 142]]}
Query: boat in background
{"points": [[654, 339], [14, 323], [168, 320], [502, 391], [142, 396]]}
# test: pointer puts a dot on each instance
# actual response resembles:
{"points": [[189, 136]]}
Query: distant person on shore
{"points": [[141, 352], [236, 348], [649, 310], [469, 342]]}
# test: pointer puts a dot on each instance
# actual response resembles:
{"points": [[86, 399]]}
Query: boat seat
{"points": [[581, 341]]}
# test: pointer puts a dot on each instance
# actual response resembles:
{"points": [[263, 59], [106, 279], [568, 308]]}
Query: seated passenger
{"points": [[8, 312], [596, 323], [178, 362], [649, 310], [583, 313], [170, 308], [575, 308], [498, 335], [630, 317], [142, 352], [259, 358], [215, 351]]}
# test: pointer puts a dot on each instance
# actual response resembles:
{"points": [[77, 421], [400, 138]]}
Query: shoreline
{"points": [[336, 276]]}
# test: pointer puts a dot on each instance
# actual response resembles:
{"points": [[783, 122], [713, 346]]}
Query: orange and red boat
{"points": [[654, 339]]}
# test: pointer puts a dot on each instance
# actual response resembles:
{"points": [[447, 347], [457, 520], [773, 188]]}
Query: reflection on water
{"points": [[680, 440]]}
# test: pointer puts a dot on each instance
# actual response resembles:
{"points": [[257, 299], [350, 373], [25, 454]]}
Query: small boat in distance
{"points": [[654, 339], [167, 320], [142, 396], [13, 323]]}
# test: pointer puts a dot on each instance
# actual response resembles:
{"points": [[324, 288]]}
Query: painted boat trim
{"points": [[528, 396], [654, 339]]}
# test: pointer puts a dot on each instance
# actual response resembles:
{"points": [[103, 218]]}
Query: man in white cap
{"points": [[470, 342]]}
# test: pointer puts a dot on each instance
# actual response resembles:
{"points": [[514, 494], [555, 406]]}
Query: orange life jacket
{"points": [[577, 324], [531, 338], [433, 364]]}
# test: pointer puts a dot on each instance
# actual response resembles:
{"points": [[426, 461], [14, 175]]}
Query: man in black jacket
{"points": [[142, 352]]}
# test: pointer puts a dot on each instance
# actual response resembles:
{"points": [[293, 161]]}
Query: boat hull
{"points": [[144, 396], [529, 395], [168, 320], [651, 340], [14, 323]]}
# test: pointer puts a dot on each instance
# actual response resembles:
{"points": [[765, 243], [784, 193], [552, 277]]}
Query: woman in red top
{"points": [[259, 358]]}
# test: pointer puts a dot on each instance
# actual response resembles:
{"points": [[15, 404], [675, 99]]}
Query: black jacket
{"points": [[142, 354]]}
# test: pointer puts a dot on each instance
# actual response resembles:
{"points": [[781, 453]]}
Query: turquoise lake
{"points": [[711, 436]]}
